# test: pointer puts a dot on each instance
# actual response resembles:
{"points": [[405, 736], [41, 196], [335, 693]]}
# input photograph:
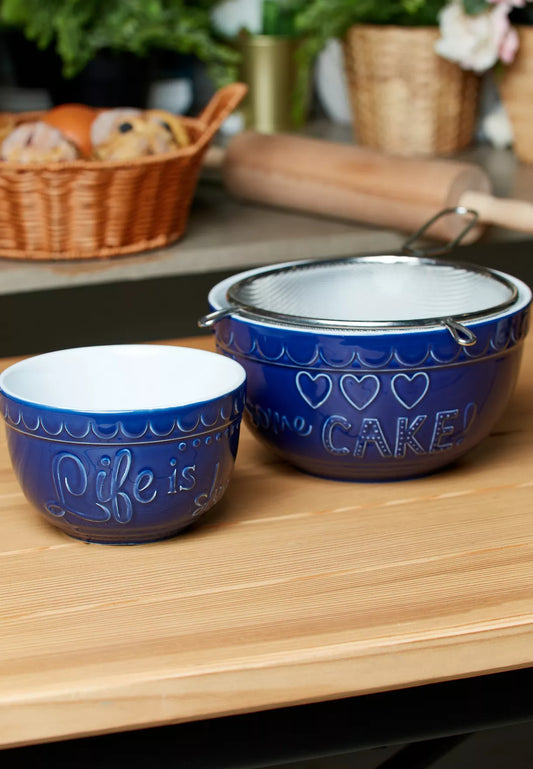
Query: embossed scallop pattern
{"points": [[365, 351], [88, 429]]}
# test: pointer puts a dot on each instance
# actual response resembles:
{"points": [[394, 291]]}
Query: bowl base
{"points": [[372, 474], [143, 538]]}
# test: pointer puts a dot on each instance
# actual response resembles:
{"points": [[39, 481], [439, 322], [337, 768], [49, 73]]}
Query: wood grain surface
{"points": [[293, 589]]}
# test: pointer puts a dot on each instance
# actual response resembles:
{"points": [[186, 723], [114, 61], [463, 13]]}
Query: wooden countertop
{"points": [[294, 589]]}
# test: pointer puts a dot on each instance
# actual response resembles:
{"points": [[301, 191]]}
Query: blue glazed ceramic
{"points": [[123, 444], [373, 404]]}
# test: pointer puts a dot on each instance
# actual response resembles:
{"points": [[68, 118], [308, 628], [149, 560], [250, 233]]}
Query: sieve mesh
{"points": [[385, 289]]}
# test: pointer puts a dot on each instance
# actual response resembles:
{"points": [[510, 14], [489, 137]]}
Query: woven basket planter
{"points": [[516, 91], [406, 99], [85, 209]]}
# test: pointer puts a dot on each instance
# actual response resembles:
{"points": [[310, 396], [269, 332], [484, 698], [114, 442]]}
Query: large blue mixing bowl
{"points": [[373, 404]]}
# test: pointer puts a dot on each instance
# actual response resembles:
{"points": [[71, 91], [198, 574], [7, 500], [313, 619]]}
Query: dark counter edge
{"points": [[434, 713], [111, 313], [162, 308]]}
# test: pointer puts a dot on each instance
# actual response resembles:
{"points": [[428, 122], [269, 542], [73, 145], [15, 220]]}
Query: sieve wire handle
{"points": [[462, 335], [410, 250], [211, 318]]}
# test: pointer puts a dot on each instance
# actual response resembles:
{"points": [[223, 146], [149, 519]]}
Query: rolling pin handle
{"points": [[445, 248], [511, 214]]}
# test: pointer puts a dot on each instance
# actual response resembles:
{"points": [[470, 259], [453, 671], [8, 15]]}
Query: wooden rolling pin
{"points": [[350, 182]]}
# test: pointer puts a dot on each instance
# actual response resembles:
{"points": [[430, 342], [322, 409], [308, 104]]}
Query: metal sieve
{"points": [[371, 292]]}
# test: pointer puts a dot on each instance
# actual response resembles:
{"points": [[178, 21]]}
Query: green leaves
{"points": [[332, 18], [472, 7], [80, 28], [323, 19]]}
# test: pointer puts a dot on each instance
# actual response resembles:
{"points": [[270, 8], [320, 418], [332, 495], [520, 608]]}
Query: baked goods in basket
{"points": [[72, 131], [124, 134], [74, 121], [90, 208], [37, 142]]}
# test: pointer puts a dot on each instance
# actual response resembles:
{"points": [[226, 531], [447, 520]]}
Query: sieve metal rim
{"points": [[454, 323]]}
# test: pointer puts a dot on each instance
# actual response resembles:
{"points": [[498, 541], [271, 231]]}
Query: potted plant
{"points": [[413, 79], [98, 35], [515, 82], [265, 34]]}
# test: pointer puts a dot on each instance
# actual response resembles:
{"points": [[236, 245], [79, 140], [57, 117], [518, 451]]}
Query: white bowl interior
{"points": [[122, 378]]}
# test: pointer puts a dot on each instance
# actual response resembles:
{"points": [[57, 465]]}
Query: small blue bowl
{"points": [[124, 443]]}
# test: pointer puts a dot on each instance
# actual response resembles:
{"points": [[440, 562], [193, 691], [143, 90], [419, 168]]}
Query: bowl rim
{"points": [[218, 301], [222, 386]]}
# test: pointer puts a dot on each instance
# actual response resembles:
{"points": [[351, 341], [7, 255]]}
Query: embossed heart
{"points": [[410, 389], [314, 388], [360, 391]]}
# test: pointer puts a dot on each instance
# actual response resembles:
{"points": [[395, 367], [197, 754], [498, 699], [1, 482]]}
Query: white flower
{"points": [[230, 16], [476, 41], [512, 3]]}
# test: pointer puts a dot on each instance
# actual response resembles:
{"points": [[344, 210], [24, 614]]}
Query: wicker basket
{"points": [[86, 209], [406, 99], [516, 91]]}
